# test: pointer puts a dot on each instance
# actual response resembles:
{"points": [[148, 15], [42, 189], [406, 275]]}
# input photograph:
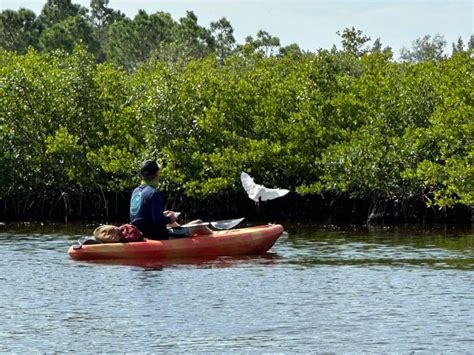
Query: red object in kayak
{"points": [[244, 241]]}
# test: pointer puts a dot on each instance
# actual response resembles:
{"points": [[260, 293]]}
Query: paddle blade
{"points": [[227, 223]]}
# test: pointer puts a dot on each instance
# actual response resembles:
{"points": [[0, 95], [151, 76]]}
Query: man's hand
{"points": [[172, 215]]}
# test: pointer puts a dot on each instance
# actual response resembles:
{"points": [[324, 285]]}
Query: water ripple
{"points": [[317, 291]]}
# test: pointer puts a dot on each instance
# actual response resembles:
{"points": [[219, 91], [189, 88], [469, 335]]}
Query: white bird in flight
{"points": [[259, 192]]}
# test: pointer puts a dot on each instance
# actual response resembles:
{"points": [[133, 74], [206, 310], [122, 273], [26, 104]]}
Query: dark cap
{"points": [[149, 168]]}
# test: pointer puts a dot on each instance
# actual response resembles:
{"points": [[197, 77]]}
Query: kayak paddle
{"points": [[224, 224]]}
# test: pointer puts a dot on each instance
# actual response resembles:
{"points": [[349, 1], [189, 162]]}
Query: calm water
{"points": [[320, 290]]}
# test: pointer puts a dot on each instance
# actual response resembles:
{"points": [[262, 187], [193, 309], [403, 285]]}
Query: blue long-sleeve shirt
{"points": [[146, 211]]}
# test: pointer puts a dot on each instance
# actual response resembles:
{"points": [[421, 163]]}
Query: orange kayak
{"points": [[244, 241]]}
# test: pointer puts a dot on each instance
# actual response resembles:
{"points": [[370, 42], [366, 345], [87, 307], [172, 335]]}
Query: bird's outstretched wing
{"points": [[250, 186], [259, 192], [270, 194]]}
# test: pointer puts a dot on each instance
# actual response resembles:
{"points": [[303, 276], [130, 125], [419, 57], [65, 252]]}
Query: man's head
{"points": [[149, 170]]}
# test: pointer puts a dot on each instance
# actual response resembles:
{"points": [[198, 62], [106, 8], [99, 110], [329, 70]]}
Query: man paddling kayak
{"points": [[147, 211]]}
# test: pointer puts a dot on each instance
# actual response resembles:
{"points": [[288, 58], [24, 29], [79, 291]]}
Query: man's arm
{"points": [[157, 210]]}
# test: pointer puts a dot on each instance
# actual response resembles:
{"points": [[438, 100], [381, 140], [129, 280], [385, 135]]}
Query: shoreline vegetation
{"points": [[356, 134]]}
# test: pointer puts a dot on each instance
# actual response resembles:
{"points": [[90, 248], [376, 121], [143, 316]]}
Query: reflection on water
{"points": [[203, 262], [320, 289], [436, 247]]}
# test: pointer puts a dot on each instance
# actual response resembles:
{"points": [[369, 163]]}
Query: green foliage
{"points": [[458, 46], [424, 49], [55, 11], [353, 41], [416, 138], [264, 43], [50, 110], [448, 169], [131, 42], [69, 33], [188, 40], [101, 18], [19, 30], [223, 33], [346, 121], [291, 50]]}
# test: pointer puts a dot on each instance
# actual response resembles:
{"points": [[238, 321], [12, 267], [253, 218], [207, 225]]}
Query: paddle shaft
{"points": [[224, 224]]}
